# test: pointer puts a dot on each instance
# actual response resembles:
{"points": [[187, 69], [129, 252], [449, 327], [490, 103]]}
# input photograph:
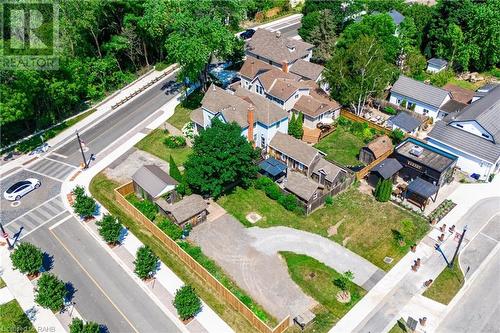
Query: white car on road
{"points": [[20, 189]]}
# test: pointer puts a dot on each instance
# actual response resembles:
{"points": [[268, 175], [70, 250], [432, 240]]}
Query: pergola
{"points": [[419, 191]]}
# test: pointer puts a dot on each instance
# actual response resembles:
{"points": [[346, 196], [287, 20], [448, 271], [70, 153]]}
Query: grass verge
{"points": [[446, 285], [154, 144], [341, 146], [316, 280], [363, 225], [102, 189], [184, 108], [13, 319]]}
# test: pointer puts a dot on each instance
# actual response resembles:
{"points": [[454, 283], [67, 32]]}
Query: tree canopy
{"points": [[221, 157]]}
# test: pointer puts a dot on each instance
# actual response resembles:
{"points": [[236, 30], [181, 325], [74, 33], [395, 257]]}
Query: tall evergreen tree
{"points": [[174, 171]]}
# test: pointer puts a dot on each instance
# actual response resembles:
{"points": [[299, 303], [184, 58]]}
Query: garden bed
{"points": [[441, 211]]}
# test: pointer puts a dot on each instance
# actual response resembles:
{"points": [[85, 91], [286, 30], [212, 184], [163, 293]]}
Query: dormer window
{"points": [[461, 126], [485, 136]]}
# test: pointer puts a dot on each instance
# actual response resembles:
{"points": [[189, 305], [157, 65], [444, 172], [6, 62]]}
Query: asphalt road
{"points": [[103, 291]]}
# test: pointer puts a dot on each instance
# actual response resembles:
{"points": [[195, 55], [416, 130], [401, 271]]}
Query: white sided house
{"points": [[472, 134], [420, 97], [259, 118]]}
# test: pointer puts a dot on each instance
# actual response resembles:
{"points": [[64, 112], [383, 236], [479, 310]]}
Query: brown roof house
{"points": [[259, 118], [151, 182], [191, 209], [375, 149], [303, 187]]}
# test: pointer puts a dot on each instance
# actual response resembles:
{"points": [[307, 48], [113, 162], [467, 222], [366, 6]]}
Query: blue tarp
{"points": [[272, 166]]}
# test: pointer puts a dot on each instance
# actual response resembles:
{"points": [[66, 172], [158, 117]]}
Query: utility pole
{"points": [[458, 247], [81, 149], [6, 236]]}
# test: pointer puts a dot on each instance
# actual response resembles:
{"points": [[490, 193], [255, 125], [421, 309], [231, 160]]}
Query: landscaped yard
{"points": [[316, 280], [13, 318], [341, 146], [183, 110], [446, 285], [102, 189], [363, 224], [154, 144]]}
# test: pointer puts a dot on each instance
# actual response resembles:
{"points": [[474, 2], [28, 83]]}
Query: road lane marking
{"points": [[29, 211], [488, 236], [58, 155], [41, 225], [60, 162], [42, 174], [94, 281], [60, 222]]}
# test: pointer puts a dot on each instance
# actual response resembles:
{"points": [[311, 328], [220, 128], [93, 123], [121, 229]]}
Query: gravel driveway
{"points": [[250, 256]]}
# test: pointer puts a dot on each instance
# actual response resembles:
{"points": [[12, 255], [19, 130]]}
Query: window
{"points": [[259, 90], [296, 96], [425, 111], [301, 166], [315, 195], [262, 142], [398, 101], [485, 136], [461, 126]]}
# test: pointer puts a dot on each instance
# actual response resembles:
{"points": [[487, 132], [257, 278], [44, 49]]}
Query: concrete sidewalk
{"points": [[382, 306], [22, 289]]}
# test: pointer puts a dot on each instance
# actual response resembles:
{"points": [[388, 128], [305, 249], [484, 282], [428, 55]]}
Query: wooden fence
{"points": [[353, 117], [319, 201], [172, 246], [363, 172]]}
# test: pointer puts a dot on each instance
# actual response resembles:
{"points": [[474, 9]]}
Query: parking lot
{"points": [[11, 210]]}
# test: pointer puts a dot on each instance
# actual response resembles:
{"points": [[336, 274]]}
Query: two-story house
{"points": [[259, 118], [472, 134], [420, 97]]}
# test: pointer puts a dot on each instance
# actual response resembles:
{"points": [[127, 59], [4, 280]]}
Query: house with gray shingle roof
{"points": [[472, 134], [259, 118], [420, 97], [436, 65]]}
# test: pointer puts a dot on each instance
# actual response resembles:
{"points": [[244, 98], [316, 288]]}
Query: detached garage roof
{"points": [[420, 91], [152, 179]]}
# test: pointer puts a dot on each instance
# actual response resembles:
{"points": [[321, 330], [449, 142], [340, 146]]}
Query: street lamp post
{"points": [[458, 247], [81, 149], [6, 236]]}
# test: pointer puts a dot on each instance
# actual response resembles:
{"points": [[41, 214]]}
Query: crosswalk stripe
{"points": [[41, 225], [42, 166], [40, 215], [33, 209], [31, 220], [56, 204], [51, 209]]}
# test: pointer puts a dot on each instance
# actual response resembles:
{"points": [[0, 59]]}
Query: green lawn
{"points": [[464, 84], [316, 280], [102, 189], [183, 110], [13, 319], [341, 146], [366, 223], [153, 144], [446, 285]]}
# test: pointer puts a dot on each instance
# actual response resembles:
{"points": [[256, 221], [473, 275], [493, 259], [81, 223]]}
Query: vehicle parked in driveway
{"points": [[21, 188], [247, 34]]}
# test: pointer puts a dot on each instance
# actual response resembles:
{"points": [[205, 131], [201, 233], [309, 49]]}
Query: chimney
{"points": [[278, 34], [250, 120], [284, 66]]}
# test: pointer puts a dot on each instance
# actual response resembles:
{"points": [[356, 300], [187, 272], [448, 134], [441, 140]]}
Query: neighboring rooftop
{"points": [[484, 90], [253, 67], [316, 103], [437, 62], [301, 185], [197, 116], [294, 148], [306, 69], [330, 170], [380, 146], [185, 209], [387, 168], [459, 94], [396, 16], [406, 121], [425, 154], [152, 179], [419, 91], [452, 106], [278, 48]]}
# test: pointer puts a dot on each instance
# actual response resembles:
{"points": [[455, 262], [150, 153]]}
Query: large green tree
{"points": [[186, 302], [358, 72], [27, 258], [221, 157], [323, 36], [50, 292], [110, 229], [146, 262]]}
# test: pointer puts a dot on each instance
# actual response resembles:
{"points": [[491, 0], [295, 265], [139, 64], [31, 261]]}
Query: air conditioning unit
{"points": [[416, 150]]}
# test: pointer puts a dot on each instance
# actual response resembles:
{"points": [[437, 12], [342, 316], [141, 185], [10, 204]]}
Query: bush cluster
{"points": [[359, 129], [170, 228], [186, 302], [27, 258], [175, 141], [390, 110], [79, 326], [50, 292], [147, 207], [110, 229], [383, 190], [84, 205], [272, 190], [146, 262]]}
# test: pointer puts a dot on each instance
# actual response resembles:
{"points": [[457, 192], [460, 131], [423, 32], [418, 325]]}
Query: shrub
{"points": [[146, 262], [403, 103], [329, 200], [187, 303], [27, 258], [50, 292], [367, 135], [147, 207], [383, 190], [273, 191], [78, 326], [110, 229], [344, 280], [397, 136], [170, 228], [343, 121], [175, 141], [79, 191], [390, 110], [441, 78], [288, 201], [262, 182], [85, 206]]}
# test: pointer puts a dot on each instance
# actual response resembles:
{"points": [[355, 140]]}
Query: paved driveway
{"points": [[251, 257]]}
